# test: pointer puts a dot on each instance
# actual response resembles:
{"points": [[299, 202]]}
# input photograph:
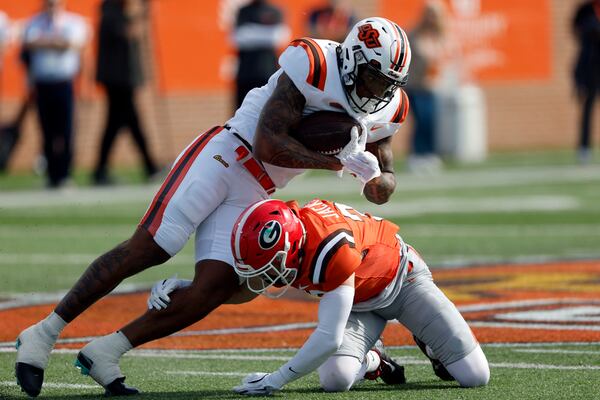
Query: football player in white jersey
{"points": [[222, 172]]}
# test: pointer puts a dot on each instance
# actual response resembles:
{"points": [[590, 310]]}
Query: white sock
{"points": [[105, 353], [372, 360], [52, 325], [118, 344]]}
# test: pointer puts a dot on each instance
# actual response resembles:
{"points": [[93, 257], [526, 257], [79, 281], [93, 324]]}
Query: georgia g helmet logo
{"points": [[269, 235]]}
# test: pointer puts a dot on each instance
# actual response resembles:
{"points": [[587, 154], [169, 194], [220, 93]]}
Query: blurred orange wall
{"points": [[19, 11], [191, 38], [499, 40]]}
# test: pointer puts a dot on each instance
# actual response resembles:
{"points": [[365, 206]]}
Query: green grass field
{"points": [[514, 208], [571, 372]]}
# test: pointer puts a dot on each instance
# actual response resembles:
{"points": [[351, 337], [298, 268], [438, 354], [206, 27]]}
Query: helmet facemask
{"points": [[275, 273], [366, 79]]}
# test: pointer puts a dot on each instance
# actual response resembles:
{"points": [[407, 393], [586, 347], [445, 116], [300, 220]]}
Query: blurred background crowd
{"points": [[486, 75]]}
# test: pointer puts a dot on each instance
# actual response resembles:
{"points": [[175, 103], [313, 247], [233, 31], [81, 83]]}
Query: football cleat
{"points": [[104, 370], [438, 368], [29, 378], [389, 370], [33, 352]]}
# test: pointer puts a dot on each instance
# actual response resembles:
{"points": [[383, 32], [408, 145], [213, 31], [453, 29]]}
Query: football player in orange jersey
{"points": [[365, 275]]}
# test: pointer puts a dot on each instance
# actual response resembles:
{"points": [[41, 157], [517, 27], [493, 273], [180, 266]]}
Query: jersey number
{"points": [[351, 213], [369, 35]]}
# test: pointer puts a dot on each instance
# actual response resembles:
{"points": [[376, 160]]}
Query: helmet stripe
{"points": [[398, 40], [405, 46], [242, 221], [402, 44]]}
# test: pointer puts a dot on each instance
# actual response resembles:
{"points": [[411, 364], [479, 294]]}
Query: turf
{"points": [[533, 374], [514, 207]]}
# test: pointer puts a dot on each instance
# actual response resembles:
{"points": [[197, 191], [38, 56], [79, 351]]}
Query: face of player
{"points": [[373, 84]]}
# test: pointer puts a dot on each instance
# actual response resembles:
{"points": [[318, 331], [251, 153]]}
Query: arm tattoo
{"points": [[272, 143], [380, 189]]}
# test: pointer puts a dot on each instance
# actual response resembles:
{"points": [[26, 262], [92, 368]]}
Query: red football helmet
{"points": [[266, 242]]}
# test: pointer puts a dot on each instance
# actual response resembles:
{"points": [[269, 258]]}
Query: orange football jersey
{"points": [[341, 241]]}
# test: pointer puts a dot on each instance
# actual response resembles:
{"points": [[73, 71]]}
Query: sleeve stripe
{"points": [[402, 110], [318, 66], [326, 250]]}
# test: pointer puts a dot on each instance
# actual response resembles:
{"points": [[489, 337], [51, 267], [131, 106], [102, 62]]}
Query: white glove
{"points": [[364, 165], [159, 295], [357, 143], [356, 159], [257, 384]]}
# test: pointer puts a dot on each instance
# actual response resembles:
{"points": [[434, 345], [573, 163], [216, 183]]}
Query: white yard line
{"points": [[516, 325], [420, 362], [546, 366], [207, 373], [557, 351], [56, 385], [9, 231], [253, 329], [459, 230], [31, 299], [79, 259], [524, 304], [407, 360], [319, 186]]}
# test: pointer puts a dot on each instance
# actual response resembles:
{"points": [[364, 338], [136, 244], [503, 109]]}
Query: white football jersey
{"points": [[313, 67]]}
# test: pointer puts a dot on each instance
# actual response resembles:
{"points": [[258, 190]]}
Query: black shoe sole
{"points": [[395, 377], [29, 378], [119, 388]]}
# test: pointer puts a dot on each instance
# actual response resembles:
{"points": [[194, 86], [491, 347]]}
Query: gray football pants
{"points": [[423, 309]]}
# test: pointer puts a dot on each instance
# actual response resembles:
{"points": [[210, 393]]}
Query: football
{"points": [[326, 132]]}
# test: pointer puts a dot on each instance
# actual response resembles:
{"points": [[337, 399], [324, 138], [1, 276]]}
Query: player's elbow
{"points": [[379, 190], [379, 200]]}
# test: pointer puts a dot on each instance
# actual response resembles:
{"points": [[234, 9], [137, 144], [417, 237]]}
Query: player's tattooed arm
{"points": [[379, 190], [273, 144]]}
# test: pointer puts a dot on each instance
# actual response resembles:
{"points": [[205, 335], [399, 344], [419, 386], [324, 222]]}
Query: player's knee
{"points": [[214, 283], [143, 247], [335, 381], [339, 373], [471, 371], [475, 378]]}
